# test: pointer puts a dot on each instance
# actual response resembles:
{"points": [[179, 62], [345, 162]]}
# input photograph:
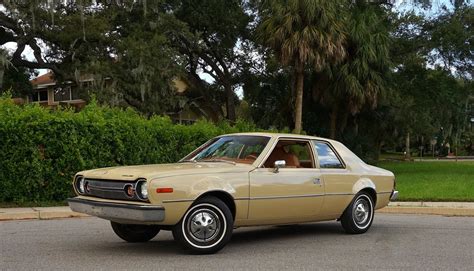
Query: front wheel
{"points": [[135, 233], [358, 216], [206, 227]]}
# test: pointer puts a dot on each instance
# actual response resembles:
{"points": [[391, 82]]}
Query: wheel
{"points": [[206, 227], [135, 233], [358, 216]]}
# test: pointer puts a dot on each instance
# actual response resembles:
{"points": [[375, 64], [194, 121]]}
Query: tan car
{"points": [[237, 180]]}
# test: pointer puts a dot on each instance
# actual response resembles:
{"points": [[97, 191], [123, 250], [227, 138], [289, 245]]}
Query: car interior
{"points": [[296, 154]]}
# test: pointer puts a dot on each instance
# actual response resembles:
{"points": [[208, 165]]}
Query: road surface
{"points": [[394, 242]]}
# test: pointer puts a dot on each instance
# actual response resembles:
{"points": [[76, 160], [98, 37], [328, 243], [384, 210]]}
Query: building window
{"points": [[66, 93], [62, 94], [40, 96]]}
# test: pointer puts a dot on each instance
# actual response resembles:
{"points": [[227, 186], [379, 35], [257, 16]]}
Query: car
{"points": [[237, 180]]}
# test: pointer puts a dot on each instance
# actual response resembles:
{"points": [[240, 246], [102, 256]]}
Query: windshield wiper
{"points": [[217, 160]]}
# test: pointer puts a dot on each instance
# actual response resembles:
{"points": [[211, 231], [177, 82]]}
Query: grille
{"points": [[109, 189]]}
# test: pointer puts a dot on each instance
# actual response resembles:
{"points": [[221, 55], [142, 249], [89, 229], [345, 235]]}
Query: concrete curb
{"points": [[38, 213], [430, 208], [421, 208]]}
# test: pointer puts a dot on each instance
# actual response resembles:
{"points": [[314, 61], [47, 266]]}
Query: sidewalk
{"points": [[421, 208]]}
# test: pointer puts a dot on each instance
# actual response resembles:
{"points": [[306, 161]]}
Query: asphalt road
{"points": [[394, 242]]}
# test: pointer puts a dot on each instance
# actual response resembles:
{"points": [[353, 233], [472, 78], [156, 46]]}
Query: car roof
{"points": [[268, 134]]}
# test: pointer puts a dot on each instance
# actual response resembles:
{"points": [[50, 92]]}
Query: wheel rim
{"points": [[204, 225], [362, 212], [214, 235]]}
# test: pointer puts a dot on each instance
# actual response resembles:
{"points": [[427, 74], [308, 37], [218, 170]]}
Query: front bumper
{"points": [[118, 212], [394, 195]]}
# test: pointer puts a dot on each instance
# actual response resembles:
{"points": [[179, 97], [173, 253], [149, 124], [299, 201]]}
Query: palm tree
{"points": [[359, 80], [303, 33]]}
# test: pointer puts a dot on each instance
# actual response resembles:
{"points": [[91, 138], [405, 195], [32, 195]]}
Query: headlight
{"points": [[142, 191], [81, 184]]}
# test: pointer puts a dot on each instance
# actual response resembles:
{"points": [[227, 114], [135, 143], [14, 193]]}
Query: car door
{"points": [[293, 193]]}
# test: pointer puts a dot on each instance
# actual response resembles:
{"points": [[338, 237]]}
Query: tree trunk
{"points": [[2, 72], [378, 151], [407, 146], [333, 128], [230, 105], [343, 121], [299, 72]]}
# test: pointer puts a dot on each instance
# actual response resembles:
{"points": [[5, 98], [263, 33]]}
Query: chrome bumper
{"points": [[394, 195], [118, 212]]}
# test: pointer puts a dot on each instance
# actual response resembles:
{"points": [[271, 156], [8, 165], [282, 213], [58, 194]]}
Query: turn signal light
{"points": [[164, 190]]}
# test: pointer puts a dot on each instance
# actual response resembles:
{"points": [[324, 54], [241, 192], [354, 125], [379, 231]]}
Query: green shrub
{"points": [[41, 149]]}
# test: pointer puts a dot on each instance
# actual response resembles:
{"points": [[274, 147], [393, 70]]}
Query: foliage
{"points": [[121, 44], [41, 149], [209, 40], [303, 34], [405, 77]]}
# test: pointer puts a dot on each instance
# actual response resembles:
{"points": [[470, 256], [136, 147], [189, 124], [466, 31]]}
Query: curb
{"points": [[420, 208], [430, 208], [427, 211], [38, 213]]}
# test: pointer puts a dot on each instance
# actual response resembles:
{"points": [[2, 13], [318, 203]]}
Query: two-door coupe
{"points": [[237, 180]]}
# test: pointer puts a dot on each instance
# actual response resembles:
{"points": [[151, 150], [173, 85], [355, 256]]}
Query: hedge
{"points": [[41, 149]]}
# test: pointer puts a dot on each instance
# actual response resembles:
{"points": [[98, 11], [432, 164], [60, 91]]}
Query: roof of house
{"points": [[45, 79]]}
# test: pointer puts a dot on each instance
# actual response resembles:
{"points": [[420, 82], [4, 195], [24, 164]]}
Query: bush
{"points": [[41, 149]]}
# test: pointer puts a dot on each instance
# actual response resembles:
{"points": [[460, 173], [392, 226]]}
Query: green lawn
{"points": [[433, 181]]}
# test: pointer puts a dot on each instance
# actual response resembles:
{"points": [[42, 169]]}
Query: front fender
{"points": [[186, 190]]}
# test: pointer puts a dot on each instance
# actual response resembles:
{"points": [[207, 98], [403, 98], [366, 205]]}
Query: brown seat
{"points": [[279, 153]]}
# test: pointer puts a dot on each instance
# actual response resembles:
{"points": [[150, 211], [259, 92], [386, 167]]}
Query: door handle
{"points": [[317, 181]]}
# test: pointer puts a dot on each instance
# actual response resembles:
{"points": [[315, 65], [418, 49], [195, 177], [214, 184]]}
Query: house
{"points": [[48, 93]]}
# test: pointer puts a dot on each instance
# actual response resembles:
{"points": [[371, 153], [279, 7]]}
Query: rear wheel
{"points": [[135, 233], [206, 227], [358, 216]]}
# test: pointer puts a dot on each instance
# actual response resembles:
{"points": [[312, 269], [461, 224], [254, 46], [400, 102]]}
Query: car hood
{"points": [[128, 173]]}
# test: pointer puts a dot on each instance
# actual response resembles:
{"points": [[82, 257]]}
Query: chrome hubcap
{"points": [[204, 225], [361, 211]]}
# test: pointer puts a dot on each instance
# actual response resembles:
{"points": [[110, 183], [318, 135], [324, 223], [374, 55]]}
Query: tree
{"points": [[303, 34], [213, 31], [452, 37], [122, 44], [360, 78]]}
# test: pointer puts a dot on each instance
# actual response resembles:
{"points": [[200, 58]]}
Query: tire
{"points": [[135, 233], [359, 215], [206, 227]]}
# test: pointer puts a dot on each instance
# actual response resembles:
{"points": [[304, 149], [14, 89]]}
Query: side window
{"points": [[296, 154], [326, 156]]}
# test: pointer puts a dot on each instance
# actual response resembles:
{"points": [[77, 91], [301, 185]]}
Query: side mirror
{"points": [[279, 164]]}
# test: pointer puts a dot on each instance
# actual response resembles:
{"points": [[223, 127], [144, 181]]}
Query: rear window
{"points": [[326, 156]]}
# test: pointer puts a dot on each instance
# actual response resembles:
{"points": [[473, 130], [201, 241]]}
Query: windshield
{"points": [[237, 149]]}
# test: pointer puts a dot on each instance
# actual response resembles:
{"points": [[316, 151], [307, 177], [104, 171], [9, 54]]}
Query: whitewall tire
{"points": [[206, 227]]}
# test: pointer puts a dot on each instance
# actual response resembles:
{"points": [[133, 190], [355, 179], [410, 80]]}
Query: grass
{"points": [[433, 181]]}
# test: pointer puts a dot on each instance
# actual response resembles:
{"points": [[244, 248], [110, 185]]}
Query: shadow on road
{"points": [[262, 234], [241, 238]]}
